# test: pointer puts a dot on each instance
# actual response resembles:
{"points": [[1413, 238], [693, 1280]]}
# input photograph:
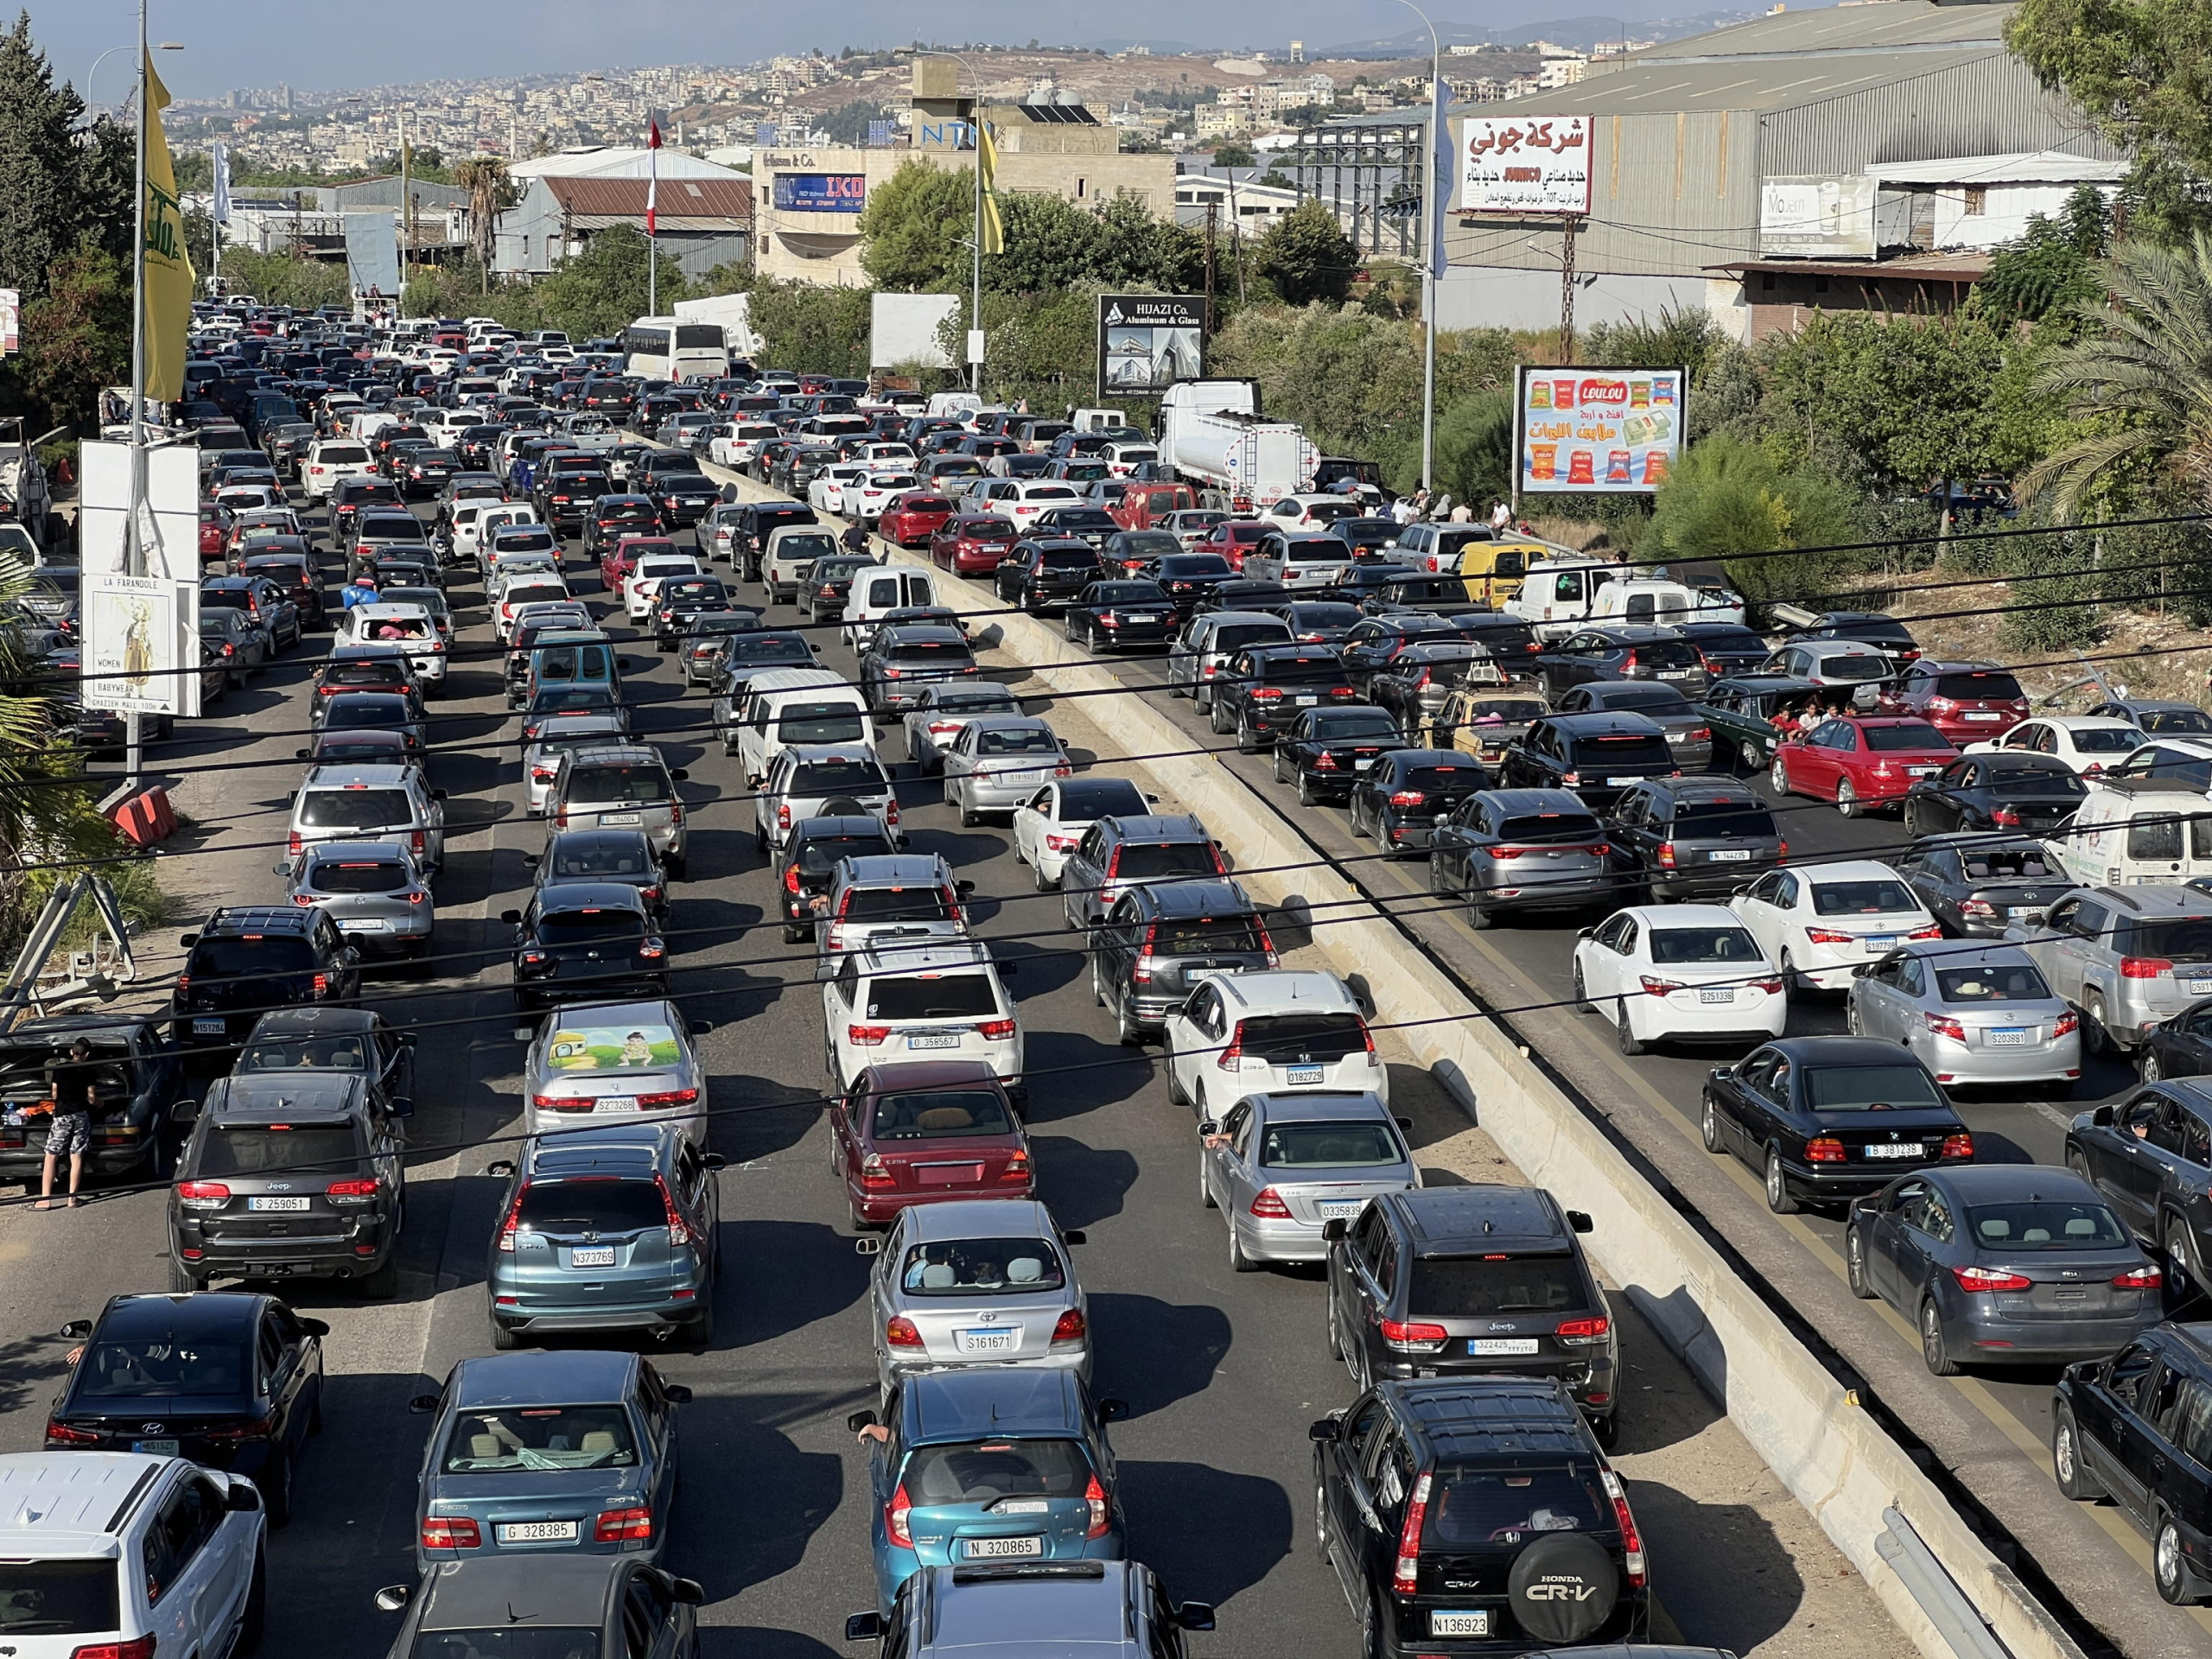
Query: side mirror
{"points": [[394, 1598], [678, 1394], [2103, 1118], [501, 1167], [700, 1027], [532, 860], [963, 889], [242, 1499], [75, 1330], [753, 780], [315, 1327], [437, 794], [1580, 1220], [863, 1627], [690, 1591], [184, 1111], [1208, 1128], [1406, 1123], [423, 1404], [1113, 1411], [1334, 1229], [681, 775], [715, 1160], [1723, 1073], [512, 918], [188, 940], [867, 1244], [860, 1420], [1075, 1235], [302, 754], [1195, 1615]]}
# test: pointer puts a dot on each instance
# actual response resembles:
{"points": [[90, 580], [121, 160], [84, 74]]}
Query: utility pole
{"points": [[1567, 290], [134, 543], [406, 207], [1212, 208]]}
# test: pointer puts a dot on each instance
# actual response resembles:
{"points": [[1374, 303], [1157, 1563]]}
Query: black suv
{"points": [[1327, 750], [1456, 1281], [1046, 574], [754, 521], [2137, 1428], [1476, 1515], [1597, 756], [250, 959], [294, 1174], [1262, 689], [1157, 942], [806, 864], [1677, 837]]}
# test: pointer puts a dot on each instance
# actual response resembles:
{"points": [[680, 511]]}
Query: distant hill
{"points": [[1583, 34], [1158, 48]]}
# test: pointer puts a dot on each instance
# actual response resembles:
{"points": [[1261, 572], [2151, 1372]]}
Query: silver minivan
{"points": [[627, 786], [370, 803]]}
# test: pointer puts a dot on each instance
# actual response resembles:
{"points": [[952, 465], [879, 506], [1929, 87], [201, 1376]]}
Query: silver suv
{"points": [[625, 787], [880, 899], [1207, 643], [339, 803], [2128, 957], [374, 890], [1108, 1610], [1116, 854]]}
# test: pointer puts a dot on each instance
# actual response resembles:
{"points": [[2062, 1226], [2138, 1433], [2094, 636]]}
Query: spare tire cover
{"points": [[843, 807], [1564, 1587]]}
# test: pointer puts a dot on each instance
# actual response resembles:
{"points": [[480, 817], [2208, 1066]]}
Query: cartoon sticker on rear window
{"points": [[613, 1048]]}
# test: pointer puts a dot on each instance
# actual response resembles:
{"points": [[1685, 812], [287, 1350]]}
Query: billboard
{"points": [[141, 644], [12, 320], [903, 330], [1536, 164], [820, 192], [1596, 431], [170, 530], [1817, 215], [1146, 342]]}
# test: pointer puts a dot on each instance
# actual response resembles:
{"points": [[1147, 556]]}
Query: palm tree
{"points": [[490, 190], [2140, 379]]}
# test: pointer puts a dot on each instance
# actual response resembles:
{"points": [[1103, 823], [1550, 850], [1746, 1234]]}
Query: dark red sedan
{"points": [[971, 545], [1968, 703], [1232, 538], [1860, 763], [927, 1132], [913, 520]]}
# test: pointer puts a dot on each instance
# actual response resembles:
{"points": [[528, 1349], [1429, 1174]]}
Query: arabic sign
{"points": [[1146, 342], [1597, 431], [820, 192], [1524, 164]]}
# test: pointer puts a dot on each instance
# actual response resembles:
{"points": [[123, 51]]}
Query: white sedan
{"points": [[1692, 972], [2088, 743], [1053, 821], [642, 583], [1817, 924], [825, 492], [866, 498]]}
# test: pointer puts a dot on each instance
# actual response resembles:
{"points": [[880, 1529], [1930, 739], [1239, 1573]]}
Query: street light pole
{"points": [[975, 242], [1433, 218], [134, 545]]}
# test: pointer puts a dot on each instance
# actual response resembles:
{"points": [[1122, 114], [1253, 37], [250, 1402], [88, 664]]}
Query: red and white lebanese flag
{"points": [[653, 175]]}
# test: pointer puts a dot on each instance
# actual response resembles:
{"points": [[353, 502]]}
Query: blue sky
{"points": [[320, 44]]}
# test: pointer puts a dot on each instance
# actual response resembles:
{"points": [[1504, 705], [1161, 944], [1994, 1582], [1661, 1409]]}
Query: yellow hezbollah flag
{"points": [[168, 292], [987, 159]]}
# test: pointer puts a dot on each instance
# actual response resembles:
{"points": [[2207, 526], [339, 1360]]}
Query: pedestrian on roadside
{"points": [[855, 539], [1501, 516], [70, 1131], [1463, 514]]}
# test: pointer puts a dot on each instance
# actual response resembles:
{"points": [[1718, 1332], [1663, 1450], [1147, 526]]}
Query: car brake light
{"points": [[62, 1435], [1655, 987], [359, 1187], [2142, 1278], [1408, 1337], [1824, 1149], [1405, 1576], [867, 1036], [1069, 1326], [1666, 854], [321, 985], [1631, 1540], [1232, 1058], [900, 1332], [995, 1030], [679, 1231], [507, 1239], [1942, 1025], [293, 844], [1826, 936], [1408, 797], [1933, 931], [1326, 762], [1990, 1279], [2145, 968], [2066, 1026], [633, 1522], [1958, 1145], [790, 880], [894, 1518], [1268, 1204], [1265, 694], [450, 1532], [1583, 1330]]}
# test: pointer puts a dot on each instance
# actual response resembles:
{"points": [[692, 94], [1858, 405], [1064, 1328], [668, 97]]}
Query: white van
{"points": [[2131, 831], [1643, 601], [885, 588], [331, 460], [955, 405], [1556, 594], [797, 705]]}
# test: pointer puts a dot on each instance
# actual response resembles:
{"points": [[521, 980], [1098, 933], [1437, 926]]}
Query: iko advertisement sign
{"points": [[1536, 164], [1597, 431], [141, 644], [820, 192], [1146, 342]]}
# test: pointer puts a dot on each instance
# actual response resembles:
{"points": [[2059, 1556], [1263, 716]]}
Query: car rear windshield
{"points": [[1644, 699], [2044, 1224], [1462, 1287], [1329, 1146], [985, 1472], [2032, 863], [1067, 558], [524, 541], [1020, 740], [1696, 819], [769, 649], [2177, 720], [613, 858], [589, 923], [1681, 945], [821, 855], [1236, 635], [963, 1267], [821, 723], [1440, 783], [370, 876], [2187, 938], [1875, 897], [531, 592], [1507, 1509], [1906, 734], [1288, 669], [1365, 723], [619, 785], [896, 905], [1498, 636], [940, 1114], [342, 454], [837, 775], [1629, 749], [60, 1599], [934, 653], [228, 959], [2037, 780], [332, 1148], [951, 995], [1870, 666], [1206, 935], [1996, 983], [154, 1368], [1321, 549], [504, 1440], [383, 672], [1140, 861], [1548, 828], [596, 1205], [1980, 686], [1098, 798], [354, 808], [1869, 1088]]}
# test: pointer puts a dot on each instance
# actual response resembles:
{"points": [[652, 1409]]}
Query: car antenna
{"points": [[514, 1617]]}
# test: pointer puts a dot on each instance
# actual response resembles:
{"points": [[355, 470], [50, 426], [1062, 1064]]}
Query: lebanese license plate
{"points": [[1624, 780], [1341, 1208], [1495, 1346], [1878, 941], [607, 1105], [536, 1532], [989, 1341], [364, 924], [1299, 1074], [1306, 702], [155, 1448], [2007, 1036], [592, 1256], [1471, 1624], [934, 1039], [621, 818], [1899, 1149], [1000, 1550], [2196, 986], [1983, 716], [1723, 994], [1676, 673], [1149, 619], [1922, 772], [208, 1027], [287, 1205], [1731, 855], [1362, 766]]}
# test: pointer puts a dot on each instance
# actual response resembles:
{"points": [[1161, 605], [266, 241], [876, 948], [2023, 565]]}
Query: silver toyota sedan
{"points": [[1970, 1015], [1281, 1166]]}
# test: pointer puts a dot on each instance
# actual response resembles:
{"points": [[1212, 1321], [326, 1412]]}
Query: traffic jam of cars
{"points": [[2029, 898]]}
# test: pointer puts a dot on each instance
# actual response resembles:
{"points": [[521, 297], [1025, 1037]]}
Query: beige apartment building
{"points": [[808, 201]]}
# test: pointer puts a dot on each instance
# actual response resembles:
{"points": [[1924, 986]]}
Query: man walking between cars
{"points": [[70, 1130]]}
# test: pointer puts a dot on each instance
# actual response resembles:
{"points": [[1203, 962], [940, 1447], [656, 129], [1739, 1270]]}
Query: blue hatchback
{"points": [[990, 1463], [565, 1452]]}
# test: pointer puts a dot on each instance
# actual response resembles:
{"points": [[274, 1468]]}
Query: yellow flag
{"points": [[987, 157], [168, 292]]}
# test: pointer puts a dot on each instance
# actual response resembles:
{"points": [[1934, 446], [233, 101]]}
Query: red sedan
{"points": [[616, 564], [972, 545], [913, 518], [1860, 763], [1967, 702], [214, 523], [1232, 538], [927, 1132]]}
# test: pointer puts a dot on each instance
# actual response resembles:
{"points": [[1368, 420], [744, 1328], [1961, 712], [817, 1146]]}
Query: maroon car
{"points": [[972, 545], [1968, 703], [927, 1132]]}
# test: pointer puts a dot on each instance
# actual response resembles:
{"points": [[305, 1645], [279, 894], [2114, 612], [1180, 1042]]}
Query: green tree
{"points": [[1728, 496], [76, 340], [1051, 244], [2139, 383], [1474, 449], [490, 192], [1233, 154], [2052, 267], [43, 206], [285, 279], [913, 227], [806, 325], [602, 290], [1133, 250], [848, 122], [1306, 255]]}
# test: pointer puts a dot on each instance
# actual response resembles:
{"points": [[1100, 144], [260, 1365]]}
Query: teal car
{"points": [[985, 1464]]}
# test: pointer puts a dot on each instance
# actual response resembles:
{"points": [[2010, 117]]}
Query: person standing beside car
{"points": [[70, 1130]]}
